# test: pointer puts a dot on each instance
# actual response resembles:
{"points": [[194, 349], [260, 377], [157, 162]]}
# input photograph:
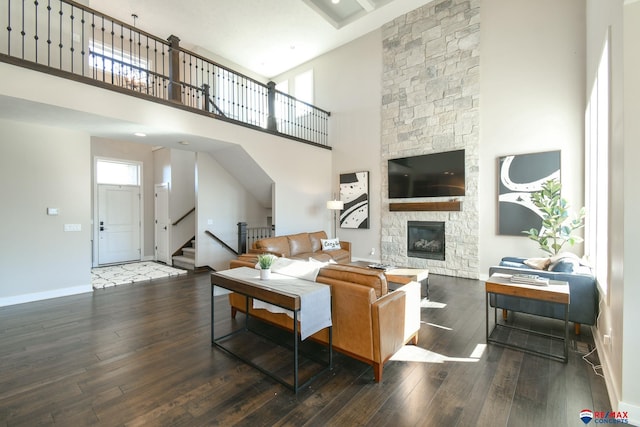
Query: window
{"points": [[117, 173], [283, 86], [304, 86], [239, 98], [597, 171], [107, 59], [304, 92]]}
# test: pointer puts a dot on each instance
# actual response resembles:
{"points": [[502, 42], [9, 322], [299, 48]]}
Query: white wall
{"points": [[303, 171], [222, 202], [531, 100], [182, 198], [348, 84], [43, 167], [619, 316], [631, 232]]}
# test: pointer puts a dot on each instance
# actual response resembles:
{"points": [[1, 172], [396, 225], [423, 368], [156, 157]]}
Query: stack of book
{"points": [[530, 279]]}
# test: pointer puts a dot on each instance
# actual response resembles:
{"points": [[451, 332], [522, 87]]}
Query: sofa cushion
{"points": [[278, 245], [316, 240], [299, 243]]}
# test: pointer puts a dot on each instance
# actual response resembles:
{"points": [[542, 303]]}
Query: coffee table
{"points": [[556, 292], [281, 291]]}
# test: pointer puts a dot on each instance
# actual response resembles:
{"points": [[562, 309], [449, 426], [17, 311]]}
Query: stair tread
{"points": [[184, 259], [189, 250]]}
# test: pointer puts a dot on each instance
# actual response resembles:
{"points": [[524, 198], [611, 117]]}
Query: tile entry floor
{"points": [[122, 274]]}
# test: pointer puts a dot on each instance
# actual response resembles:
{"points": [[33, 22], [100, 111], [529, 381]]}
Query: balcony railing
{"points": [[68, 39]]}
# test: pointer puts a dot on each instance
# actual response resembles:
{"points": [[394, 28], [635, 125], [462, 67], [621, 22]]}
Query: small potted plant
{"points": [[557, 228], [265, 261]]}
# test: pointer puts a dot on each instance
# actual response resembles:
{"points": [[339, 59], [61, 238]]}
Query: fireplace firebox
{"points": [[425, 239]]}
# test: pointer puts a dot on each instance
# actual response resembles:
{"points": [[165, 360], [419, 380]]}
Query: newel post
{"points": [[242, 237], [205, 93], [271, 103], [174, 69]]}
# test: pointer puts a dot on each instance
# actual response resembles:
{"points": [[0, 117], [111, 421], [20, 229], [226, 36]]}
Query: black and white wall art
{"points": [[354, 192], [519, 176]]}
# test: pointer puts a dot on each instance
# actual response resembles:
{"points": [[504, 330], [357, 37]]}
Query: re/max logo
{"points": [[610, 417]]}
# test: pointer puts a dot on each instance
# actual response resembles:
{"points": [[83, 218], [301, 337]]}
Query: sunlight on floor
{"points": [[425, 303], [412, 353]]}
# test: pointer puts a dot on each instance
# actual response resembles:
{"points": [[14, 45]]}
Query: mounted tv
{"points": [[429, 175]]}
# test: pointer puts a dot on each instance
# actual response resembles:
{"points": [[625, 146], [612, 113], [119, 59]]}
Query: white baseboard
{"points": [[609, 378], [38, 296], [632, 410]]}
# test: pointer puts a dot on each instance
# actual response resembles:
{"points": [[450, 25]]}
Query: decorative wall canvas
{"points": [[521, 175], [354, 192]]}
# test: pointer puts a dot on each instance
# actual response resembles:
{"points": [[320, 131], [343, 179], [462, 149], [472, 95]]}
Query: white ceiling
{"points": [[265, 37]]}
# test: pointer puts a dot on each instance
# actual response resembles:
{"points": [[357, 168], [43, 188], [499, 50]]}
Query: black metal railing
{"points": [[248, 235], [70, 40]]}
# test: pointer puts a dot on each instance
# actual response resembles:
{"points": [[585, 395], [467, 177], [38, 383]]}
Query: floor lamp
{"points": [[335, 206]]}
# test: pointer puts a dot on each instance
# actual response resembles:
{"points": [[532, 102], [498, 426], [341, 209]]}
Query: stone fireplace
{"points": [[430, 104], [426, 239]]}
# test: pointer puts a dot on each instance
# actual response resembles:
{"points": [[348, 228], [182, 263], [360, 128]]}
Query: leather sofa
{"points": [[302, 246], [583, 290], [370, 323]]}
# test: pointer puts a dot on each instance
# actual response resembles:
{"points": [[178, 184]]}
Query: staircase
{"points": [[187, 260]]}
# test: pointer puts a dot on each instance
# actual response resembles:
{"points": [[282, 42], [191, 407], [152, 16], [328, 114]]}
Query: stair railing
{"points": [[183, 216], [219, 240], [73, 41], [248, 235]]}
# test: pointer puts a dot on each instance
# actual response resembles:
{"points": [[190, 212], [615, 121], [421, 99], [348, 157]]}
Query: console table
{"points": [[284, 292]]}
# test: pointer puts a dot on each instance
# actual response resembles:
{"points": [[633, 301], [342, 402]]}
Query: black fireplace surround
{"points": [[425, 239]]}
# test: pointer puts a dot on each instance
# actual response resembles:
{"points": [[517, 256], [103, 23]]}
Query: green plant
{"points": [[557, 229], [265, 261]]}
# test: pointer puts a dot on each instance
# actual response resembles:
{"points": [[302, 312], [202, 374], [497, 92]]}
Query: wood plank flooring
{"points": [[140, 355]]}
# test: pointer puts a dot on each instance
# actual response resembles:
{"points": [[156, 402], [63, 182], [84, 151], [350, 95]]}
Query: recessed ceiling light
{"points": [[335, 1], [140, 134], [183, 142]]}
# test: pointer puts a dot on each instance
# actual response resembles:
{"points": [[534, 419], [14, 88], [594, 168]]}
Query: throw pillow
{"points": [[330, 244], [538, 263], [565, 262]]}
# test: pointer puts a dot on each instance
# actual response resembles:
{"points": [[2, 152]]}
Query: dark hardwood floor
{"points": [[140, 355]]}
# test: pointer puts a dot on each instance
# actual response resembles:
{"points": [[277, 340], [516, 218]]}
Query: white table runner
{"points": [[315, 298]]}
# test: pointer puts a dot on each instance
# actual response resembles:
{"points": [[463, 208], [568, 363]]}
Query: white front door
{"points": [[118, 223], [162, 223]]}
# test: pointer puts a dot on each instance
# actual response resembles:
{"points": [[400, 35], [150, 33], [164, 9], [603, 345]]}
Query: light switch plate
{"points": [[52, 211]]}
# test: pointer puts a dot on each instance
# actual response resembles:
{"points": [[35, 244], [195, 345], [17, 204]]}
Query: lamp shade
{"points": [[335, 205]]}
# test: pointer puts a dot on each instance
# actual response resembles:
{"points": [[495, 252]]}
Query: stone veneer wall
{"points": [[430, 103]]}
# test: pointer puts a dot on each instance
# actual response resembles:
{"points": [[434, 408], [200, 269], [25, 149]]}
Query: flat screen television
{"points": [[428, 175]]}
